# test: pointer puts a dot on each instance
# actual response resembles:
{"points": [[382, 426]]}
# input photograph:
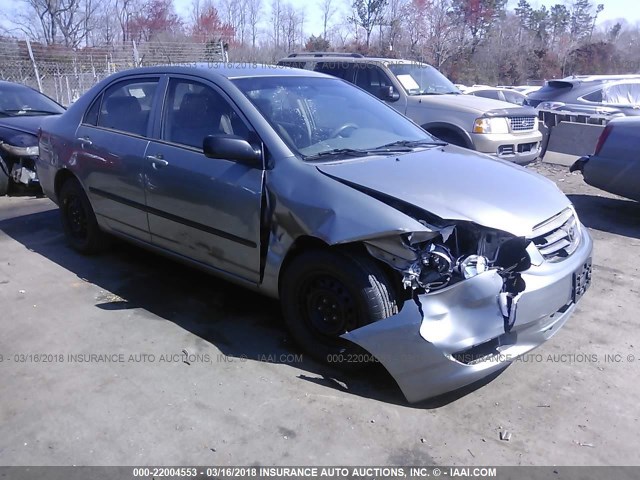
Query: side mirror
{"points": [[389, 94], [232, 147]]}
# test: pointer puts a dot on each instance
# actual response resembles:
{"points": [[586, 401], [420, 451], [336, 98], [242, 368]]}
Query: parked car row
{"points": [[382, 241]]}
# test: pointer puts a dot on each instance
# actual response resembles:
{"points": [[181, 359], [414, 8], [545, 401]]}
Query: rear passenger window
{"points": [[594, 96], [336, 69], [126, 106], [371, 78]]}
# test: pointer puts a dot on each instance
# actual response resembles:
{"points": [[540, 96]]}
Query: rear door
{"points": [[110, 148], [203, 208]]}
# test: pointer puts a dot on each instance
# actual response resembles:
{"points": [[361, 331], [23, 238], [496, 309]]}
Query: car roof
{"points": [[600, 78], [495, 89], [228, 70], [349, 59]]}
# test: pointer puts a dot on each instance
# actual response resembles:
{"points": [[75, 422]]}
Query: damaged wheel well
{"points": [[62, 176], [305, 243]]}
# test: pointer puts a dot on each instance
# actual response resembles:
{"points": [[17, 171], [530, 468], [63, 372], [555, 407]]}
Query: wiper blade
{"points": [[350, 152], [413, 143], [28, 110]]}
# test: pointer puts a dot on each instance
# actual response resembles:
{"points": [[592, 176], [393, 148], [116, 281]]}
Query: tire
{"points": [[327, 293], [4, 178], [79, 221]]}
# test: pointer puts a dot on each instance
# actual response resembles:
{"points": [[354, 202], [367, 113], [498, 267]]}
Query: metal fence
{"points": [[64, 73]]}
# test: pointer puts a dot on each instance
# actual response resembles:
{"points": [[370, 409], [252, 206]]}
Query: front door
{"points": [[206, 209]]}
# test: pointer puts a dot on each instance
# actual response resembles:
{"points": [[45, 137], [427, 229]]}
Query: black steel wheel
{"points": [[325, 294], [78, 219]]}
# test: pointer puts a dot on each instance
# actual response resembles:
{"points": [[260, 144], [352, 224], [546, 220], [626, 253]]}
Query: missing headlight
{"points": [[451, 253]]}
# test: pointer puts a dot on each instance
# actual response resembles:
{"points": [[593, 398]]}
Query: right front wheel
{"points": [[326, 293]]}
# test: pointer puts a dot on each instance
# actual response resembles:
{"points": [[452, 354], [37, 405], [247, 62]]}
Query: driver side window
{"points": [[194, 110]]}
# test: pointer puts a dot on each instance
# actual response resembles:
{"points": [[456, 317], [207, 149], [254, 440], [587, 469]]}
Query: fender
{"points": [[454, 128]]}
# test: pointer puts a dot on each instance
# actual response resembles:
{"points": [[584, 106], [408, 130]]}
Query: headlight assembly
{"points": [[21, 151], [491, 125], [451, 254], [472, 265]]}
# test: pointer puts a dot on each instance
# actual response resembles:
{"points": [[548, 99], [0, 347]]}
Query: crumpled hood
{"points": [[459, 185], [26, 124]]}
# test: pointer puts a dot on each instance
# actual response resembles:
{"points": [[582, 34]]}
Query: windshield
{"points": [[319, 116], [20, 100], [422, 79]]}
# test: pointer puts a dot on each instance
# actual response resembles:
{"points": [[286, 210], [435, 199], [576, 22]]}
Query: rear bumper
{"points": [[456, 336], [520, 148]]}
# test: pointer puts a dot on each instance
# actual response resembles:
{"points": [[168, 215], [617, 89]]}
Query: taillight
{"points": [[603, 137]]}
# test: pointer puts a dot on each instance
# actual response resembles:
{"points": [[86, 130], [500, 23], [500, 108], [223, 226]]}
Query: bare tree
{"points": [[293, 19], [105, 26], [328, 9], [253, 19], [276, 21], [234, 12], [38, 21], [368, 14], [74, 20], [125, 10]]}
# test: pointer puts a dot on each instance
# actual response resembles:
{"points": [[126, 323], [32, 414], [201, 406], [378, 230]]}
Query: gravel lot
{"points": [[248, 397]]}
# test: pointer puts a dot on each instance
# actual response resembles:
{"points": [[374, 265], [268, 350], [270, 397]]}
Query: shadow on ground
{"points": [[238, 322], [607, 214]]}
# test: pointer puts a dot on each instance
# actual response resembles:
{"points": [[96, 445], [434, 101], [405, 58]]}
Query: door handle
{"points": [[157, 161], [85, 140]]}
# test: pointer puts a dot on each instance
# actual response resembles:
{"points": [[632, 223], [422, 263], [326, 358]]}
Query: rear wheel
{"points": [[4, 178], [325, 294], [78, 219]]}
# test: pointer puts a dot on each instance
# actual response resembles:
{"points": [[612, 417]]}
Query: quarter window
{"points": [[91, 117]]}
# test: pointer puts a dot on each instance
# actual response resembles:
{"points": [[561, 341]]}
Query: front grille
{"points": [[519, 124], [558, 237]]}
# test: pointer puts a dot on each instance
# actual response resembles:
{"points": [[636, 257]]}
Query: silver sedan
{"points": [[382, 242]]}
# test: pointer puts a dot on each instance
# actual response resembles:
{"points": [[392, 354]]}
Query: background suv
{"points": [[427, 97], [590, 94]]}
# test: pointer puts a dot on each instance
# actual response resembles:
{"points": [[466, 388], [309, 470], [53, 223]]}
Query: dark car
{"points": [[615, 163], [597, 94], [369, 230], [21, 111]]}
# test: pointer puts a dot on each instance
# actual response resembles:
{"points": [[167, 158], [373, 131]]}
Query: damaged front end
{"points": [[481, 298], [447, 255], [19, 157]]}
